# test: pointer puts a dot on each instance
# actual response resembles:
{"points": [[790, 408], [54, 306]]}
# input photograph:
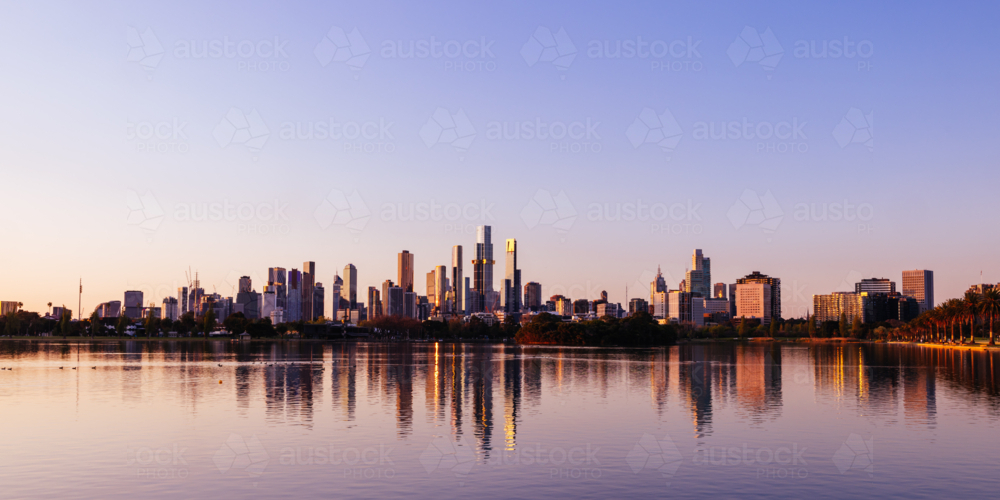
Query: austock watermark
{"points": [[157, 462], [444, 454], [352, 136], [353, 462], [163, 136], [455, 217], [782, 462], [859, 213], [663, 217], [677, 55], [560, 136]]}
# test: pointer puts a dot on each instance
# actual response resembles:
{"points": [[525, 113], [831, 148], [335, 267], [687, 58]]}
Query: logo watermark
{"points": [[144, 212], [241, 455], [651, 127], [855, 128], [239, 128], [544, 209], [144, 49], [336, 209], [660, 455], [856, 453], [761, 211], [347, 48], [545, 47], [761, 48]]}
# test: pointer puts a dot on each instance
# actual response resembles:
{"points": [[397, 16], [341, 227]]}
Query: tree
{"points": [[209, 321], [95, 324], [236, 323], [49, 311], [812, 326], [774, 328], [856, 326], [972, 303], [122, 324], [843, 324], [743, 327], [12, 326], [991, 308], [152, 324]]}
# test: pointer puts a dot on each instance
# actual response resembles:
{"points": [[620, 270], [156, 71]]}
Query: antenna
{"points": [[79, 302]]}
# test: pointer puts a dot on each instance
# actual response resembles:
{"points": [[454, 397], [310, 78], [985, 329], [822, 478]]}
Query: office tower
{"points": [[386, 307], [470, 300], [170, 308], [133, 304], [410, 301], [431, 285], [8, 306], [277, 316], [109, 309], [719, 291], [374, 303], [753, 301], [396, 303], [457, 281], [308, 283], [829, 307], [638, 305], [512, 280], [533, 296], [919, 284], [732, 300], [293, 311], [182, 300], [605, 309], [483, 266], [658, 285], [319, 300], [875, 285], [440, 288], [350, 289], [774, 283], [338, 283], [250, 300], [405, 271], [694, 282], [269, 301], [276, 277], [699, 278]]}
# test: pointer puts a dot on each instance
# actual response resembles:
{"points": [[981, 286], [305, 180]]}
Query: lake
{"points": [[221, 419]]}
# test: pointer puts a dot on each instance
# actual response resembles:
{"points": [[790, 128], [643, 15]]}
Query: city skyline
{"points": [[121, 135]]}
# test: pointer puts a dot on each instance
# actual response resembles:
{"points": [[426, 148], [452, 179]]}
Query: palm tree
{"points": [[50, 309], [972, 302], [990, 305]]}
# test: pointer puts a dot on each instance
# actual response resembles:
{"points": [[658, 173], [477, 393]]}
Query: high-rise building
{"points": [[410, 304], [133, 304], [829, 307], [719, 291], [732, 300], [405, 270], [109, 309], [396, 303], [7, 307], [638, 305], [319, 301], [350, 289], [250, 300], [775, 287], [182, 299], [919, 284], [471, 302], [512, 280], [294, 296], [660, 305], [875, 285], [386, 307], [658, 285], [170, 308], [533, 296], [699, 278], [753, 301], [308, 284], [374, 303], [276, 277], [457, 280], [338, 283], [483, 266], [269, 301], [440, 288]]}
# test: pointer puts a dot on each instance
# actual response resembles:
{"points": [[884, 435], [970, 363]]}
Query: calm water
{"points": [[298, 419]]}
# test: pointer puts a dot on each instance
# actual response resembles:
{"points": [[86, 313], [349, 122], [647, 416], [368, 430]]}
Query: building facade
{"points": [[919, 284]]}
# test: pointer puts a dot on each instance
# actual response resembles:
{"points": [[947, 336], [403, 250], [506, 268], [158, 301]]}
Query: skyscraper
{"points": [[919, 284], [533, 296], [319, 299], [405, 271], [512, 280], [775, 290], [338, 283], [374, 303], [182, 300], [483, 264], [276, 278], [658, 285], [457, 281], [350, 289], [386, 298], [699, 279], [441, 288], [719, 291], [133, 304], [308, 282], [293, 311], [753, 300]]}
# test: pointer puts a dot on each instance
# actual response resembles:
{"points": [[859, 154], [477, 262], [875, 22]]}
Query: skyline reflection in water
{"points": [[274, 419]]}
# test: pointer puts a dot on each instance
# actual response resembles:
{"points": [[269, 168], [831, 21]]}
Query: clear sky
{"points": [[126, 131]]}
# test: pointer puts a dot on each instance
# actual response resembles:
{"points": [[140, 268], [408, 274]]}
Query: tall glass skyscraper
{"points": [[308, 283], [457, 282], [405, 272], [350, 289], [512, 280], [483, 265]]}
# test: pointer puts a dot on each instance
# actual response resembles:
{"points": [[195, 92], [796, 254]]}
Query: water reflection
{"points": [[487, 392]]}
